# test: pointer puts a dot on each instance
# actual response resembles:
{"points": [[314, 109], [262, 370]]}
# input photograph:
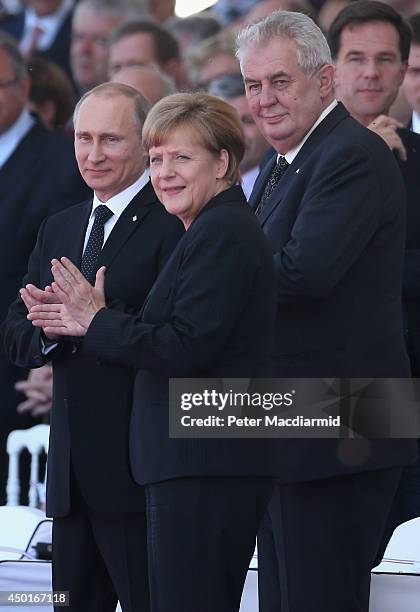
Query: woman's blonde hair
{"points": [[215, 122]]}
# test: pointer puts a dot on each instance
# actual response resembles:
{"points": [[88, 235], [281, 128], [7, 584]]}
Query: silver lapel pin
{"points": [[297, 170], [135, 218]]}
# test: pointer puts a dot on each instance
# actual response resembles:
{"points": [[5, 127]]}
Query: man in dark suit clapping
{"points": [[38, 177], [99, 546], [335, 223]]}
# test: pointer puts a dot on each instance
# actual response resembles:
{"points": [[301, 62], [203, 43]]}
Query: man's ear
{"points": [[404, 66], [326, 80]]}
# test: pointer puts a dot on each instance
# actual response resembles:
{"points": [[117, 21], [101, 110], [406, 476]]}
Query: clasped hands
{"points": [[67, 307], [386, 127]]}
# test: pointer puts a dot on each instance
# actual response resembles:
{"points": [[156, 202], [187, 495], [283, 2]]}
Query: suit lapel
{"points": [[260, 183], [76, 231], [275, 198], [23, 159], [131, 218]]}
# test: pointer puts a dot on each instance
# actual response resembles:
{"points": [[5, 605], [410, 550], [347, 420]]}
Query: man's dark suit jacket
{"points": [[336, 228], [92, 398], [210, 314], [58, 52], [40, 178], [411, 278]]}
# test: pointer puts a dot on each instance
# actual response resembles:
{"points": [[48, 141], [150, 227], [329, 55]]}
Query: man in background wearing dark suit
{"points": [[38, 176], [43, 28], [99, 533], [411, 84], [370, 44], [331, 208]]}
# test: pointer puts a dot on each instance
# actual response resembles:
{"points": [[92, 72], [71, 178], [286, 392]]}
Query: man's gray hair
{"points": [[312, 49], [109, 90], [9, 46]]}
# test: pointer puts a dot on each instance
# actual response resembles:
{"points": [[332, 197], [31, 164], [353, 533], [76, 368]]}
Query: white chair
{"points": [[35, 440], [404, 544], [395, 582], [17, 527], [26, 575], [21, 528], [249, 601]]}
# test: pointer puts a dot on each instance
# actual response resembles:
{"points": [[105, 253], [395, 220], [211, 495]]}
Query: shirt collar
{"points": [[415, 122], [290, 155], [119, 202], [248, 180], [13, 136]]}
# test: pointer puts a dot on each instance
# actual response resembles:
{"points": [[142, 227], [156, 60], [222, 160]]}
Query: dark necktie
{"points": [[273, 180], [96, 240]]}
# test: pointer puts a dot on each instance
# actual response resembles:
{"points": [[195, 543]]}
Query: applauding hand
{"points": [[79, 301]]}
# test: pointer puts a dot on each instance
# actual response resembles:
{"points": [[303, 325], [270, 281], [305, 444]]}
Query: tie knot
{"points": [[282, 164], [102, 214]]}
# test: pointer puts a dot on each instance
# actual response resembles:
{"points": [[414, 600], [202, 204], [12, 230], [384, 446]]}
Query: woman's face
{"points": [[185, 175]]}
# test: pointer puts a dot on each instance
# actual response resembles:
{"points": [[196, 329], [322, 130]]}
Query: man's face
{"points": [[13, 93], [284, 101], [411, 85], [255, 143], [132, 50], [368, 69], [90, 46], [108, 145]]}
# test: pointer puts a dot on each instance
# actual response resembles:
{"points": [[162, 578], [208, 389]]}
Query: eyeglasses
{"points": [[4, 84]]}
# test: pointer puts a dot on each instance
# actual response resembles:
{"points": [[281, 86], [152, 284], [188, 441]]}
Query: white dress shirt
{"points": [[117, 204], [415, 122], [248, 180], [10, 139]]}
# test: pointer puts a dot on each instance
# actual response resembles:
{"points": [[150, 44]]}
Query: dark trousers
{"points": [[201, 537], [323, 542], [100, 558]]}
